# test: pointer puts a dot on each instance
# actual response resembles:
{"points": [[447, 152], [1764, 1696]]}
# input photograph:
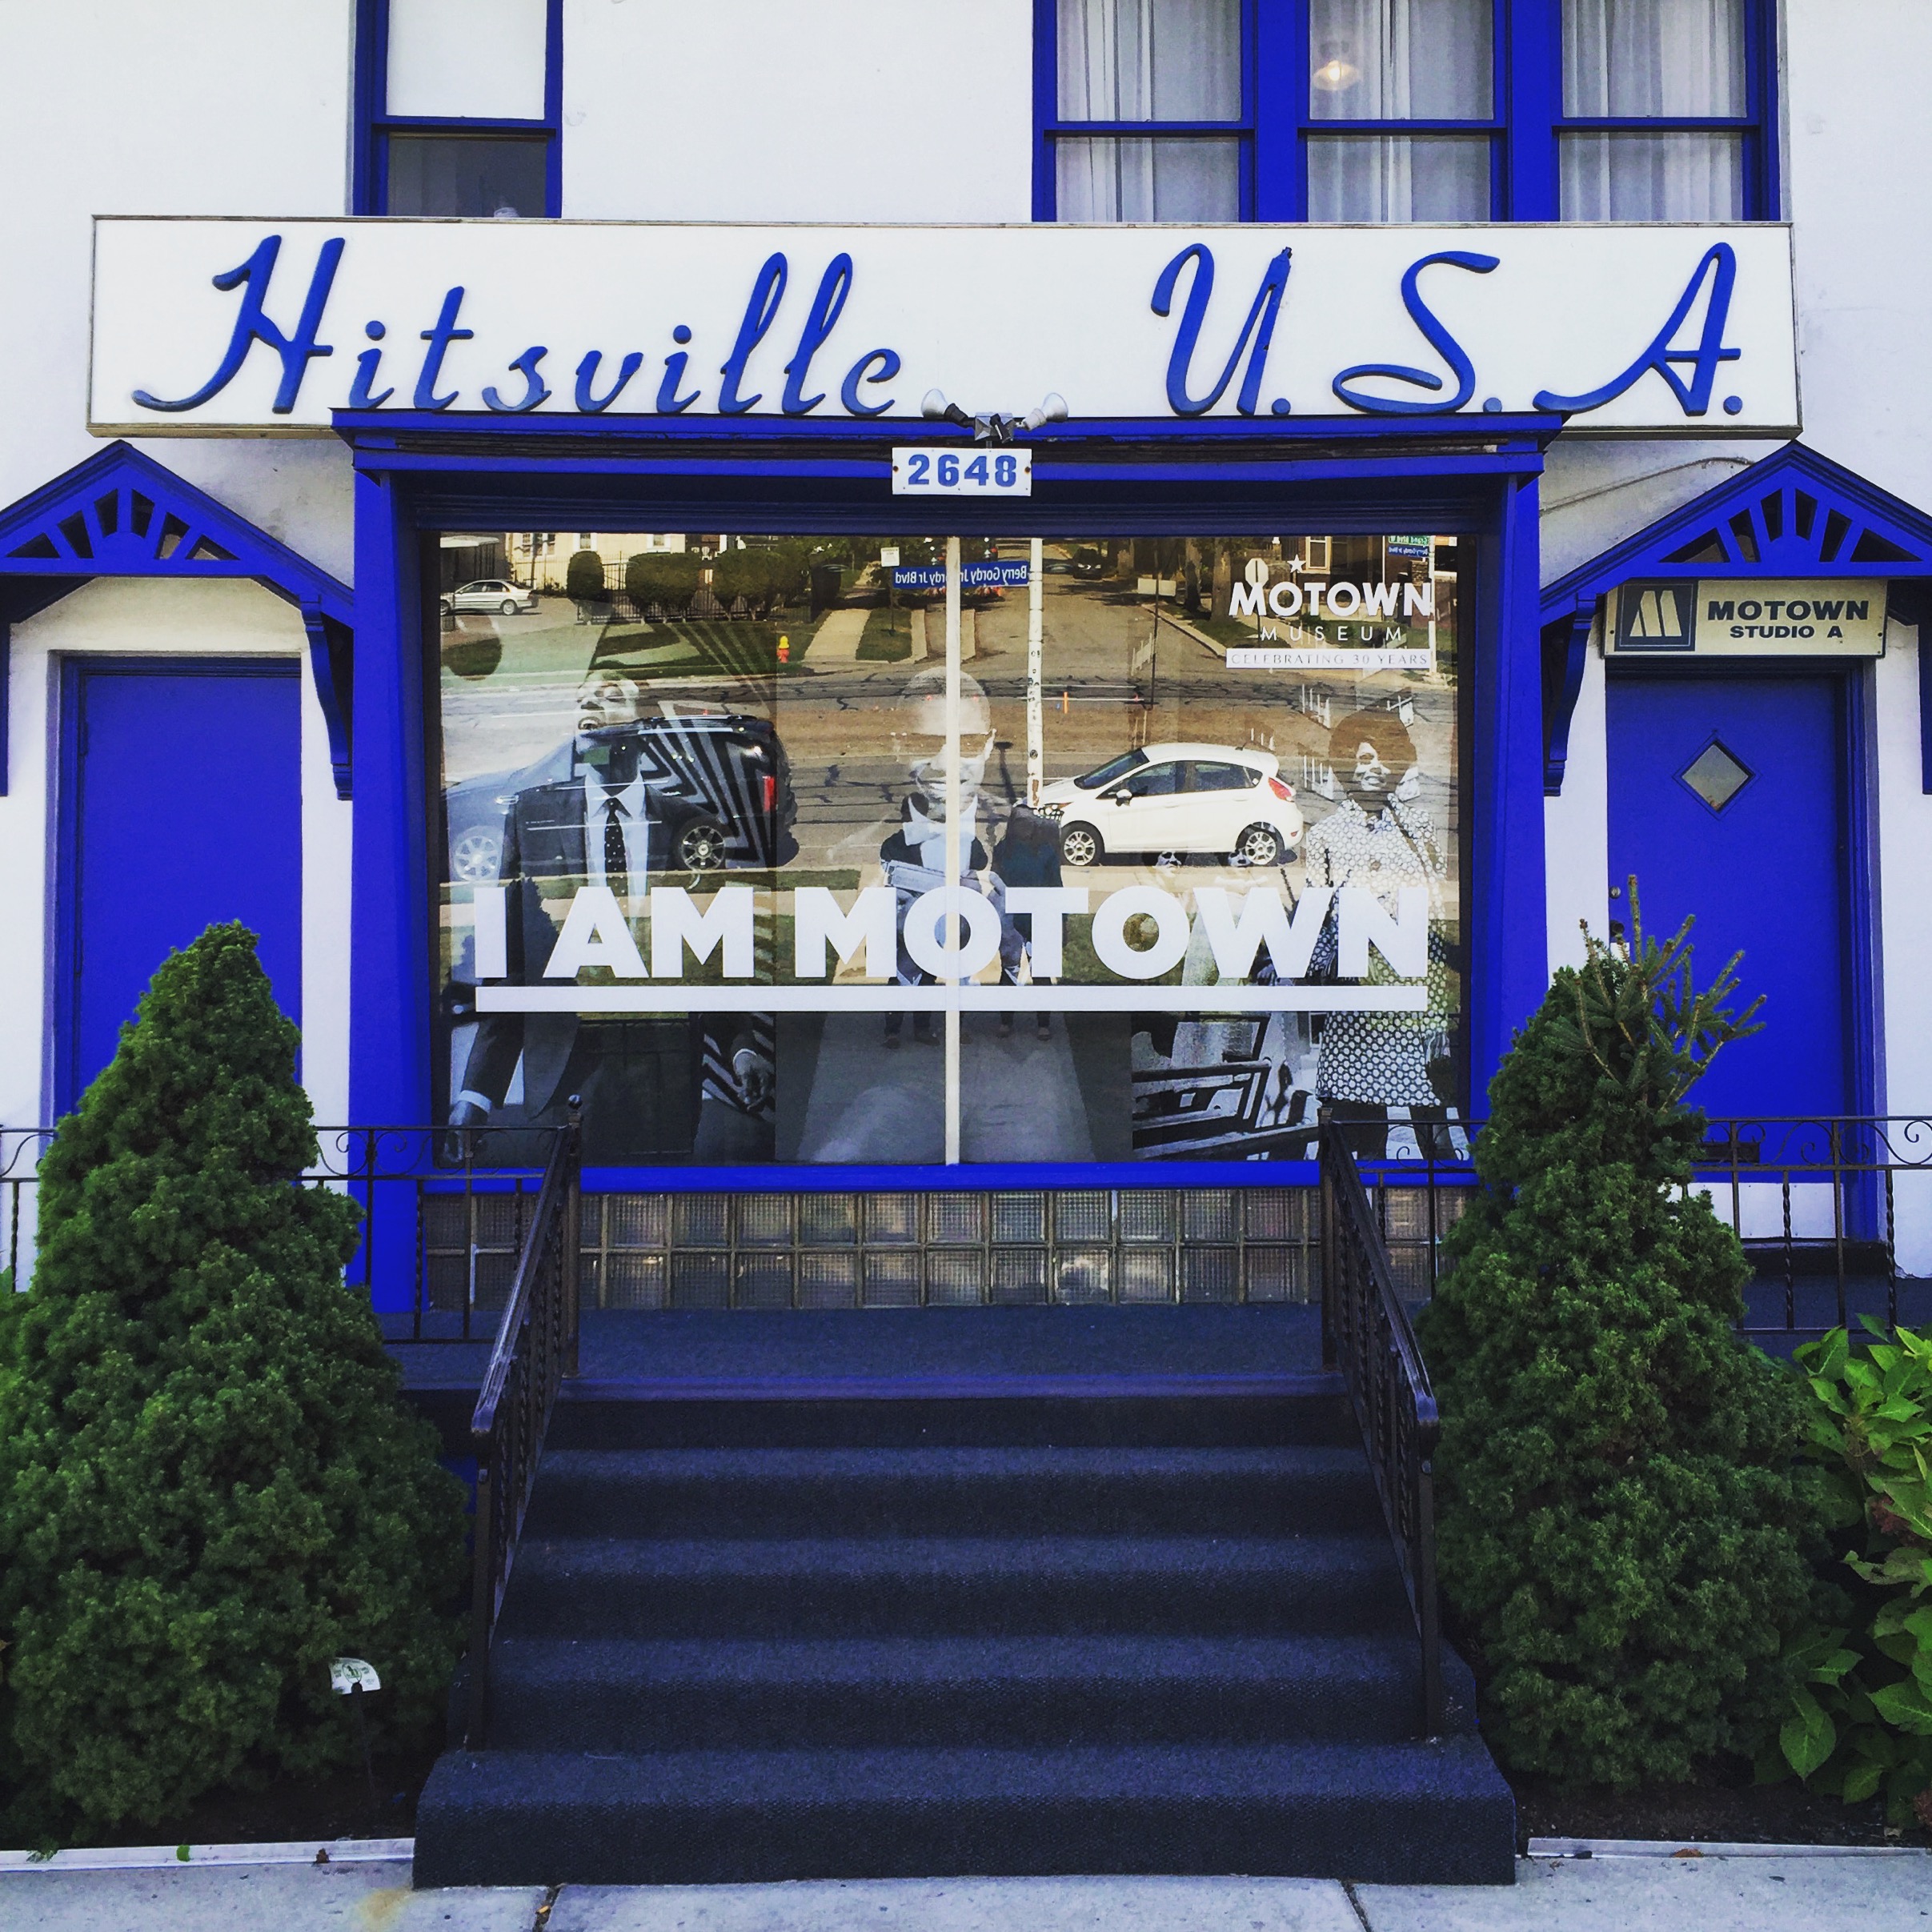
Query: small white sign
{"points": [[348, 1673], [958, 472]]}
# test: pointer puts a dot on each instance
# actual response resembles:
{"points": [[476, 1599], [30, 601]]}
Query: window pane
{"points": [[1400, 60], [1653, 57], [1150, 60], [478, 57], [1398, 178], [1652, 177], [766, 715], [1107, 180], [438, 174]]}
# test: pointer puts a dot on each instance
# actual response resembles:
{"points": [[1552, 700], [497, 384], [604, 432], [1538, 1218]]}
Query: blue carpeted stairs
{"points": [[749, 1640]]}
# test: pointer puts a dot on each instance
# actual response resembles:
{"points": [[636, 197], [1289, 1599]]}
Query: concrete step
{"points": [[690, 1494], [1437, 1813]]}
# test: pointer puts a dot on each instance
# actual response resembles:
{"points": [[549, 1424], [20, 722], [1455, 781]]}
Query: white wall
{"points": [[197, 617], [126, 107], [866, 110]]}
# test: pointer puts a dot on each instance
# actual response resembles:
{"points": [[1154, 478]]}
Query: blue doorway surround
{"points": [[180, 806], [1734, 800], [416, 474]]}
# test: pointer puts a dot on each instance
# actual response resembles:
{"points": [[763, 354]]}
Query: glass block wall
{"points": [[816, 1250]]}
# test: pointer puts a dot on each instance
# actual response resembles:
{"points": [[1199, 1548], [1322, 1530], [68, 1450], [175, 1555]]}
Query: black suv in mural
{"points": [[720, 786]]}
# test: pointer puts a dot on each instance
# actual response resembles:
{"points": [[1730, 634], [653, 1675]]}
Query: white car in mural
{"points": [[492, 593], [1222, 799]]}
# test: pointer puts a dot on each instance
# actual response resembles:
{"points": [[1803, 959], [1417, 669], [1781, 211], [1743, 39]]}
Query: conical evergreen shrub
{"points": [[209, 1484], [1626, 1532]]}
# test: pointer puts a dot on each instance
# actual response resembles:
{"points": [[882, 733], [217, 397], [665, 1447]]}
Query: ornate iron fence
{"points": [[536, 1347], [1365, 1333]]}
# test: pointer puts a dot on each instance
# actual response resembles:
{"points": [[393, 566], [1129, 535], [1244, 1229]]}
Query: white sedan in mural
{"points": [[496, 595], [1221, 799]]}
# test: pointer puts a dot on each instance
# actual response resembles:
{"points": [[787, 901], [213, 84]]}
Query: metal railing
{"points": [[536, 1348], [1365, 1333], [444, 1216], [1814, 1200]]}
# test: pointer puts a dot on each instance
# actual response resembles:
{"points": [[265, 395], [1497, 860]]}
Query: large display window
{"points": [[1163, 858]]}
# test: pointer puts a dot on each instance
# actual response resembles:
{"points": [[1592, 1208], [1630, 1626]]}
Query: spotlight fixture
{"points": [[1050, 408]]}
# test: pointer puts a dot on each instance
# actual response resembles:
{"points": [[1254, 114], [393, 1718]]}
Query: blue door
{"points": [[1729, 800], [182, 807]]}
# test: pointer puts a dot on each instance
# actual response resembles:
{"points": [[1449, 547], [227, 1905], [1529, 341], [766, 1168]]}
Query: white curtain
{"points": [[1150, 60], [1398, 178], [1666, 176], [1181, 179], [1400, 60], [1666, 57], [1642, 59]]}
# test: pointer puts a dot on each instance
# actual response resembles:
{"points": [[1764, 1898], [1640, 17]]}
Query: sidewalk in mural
{"points": [[1763, 1893]]}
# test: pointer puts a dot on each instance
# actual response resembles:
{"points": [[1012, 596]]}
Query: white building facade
{"points": [[1562, 509]]}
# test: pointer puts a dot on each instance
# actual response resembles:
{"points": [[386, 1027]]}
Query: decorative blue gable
{"points": [[120, 514], [1793, 514]]}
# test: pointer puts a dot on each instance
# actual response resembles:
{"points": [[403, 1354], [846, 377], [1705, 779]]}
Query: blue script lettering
{"points": [[874, 366], [1261, 324], [834, 286], [534, 392], [1438, 339], [588, 402], [252, 325], [768, 291], [1720, 264], [440, 339]]}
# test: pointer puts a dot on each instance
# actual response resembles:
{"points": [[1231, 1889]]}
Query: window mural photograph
{"points": [[1172, 863]]}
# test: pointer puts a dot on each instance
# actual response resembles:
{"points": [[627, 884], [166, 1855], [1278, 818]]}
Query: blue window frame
{"points": [[1440, 111], [454, 164]]}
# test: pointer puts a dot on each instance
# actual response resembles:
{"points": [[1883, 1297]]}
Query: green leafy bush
{"points": [[209, 1484], [1626, 1527], [584, 577], [1862, 1722], [666, 578]]}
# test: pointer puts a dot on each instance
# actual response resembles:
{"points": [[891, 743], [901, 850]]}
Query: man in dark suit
{"points": [[637, 1076]]}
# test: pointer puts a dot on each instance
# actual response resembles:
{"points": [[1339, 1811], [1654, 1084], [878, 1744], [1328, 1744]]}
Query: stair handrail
{"points": [[535, 1349], [1366, 1333]]}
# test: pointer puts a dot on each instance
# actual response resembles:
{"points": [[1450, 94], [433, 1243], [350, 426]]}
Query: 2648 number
{"points": [[1003, 472]]}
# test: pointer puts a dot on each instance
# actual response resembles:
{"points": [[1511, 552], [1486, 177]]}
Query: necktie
{"points": [[615, 861]]}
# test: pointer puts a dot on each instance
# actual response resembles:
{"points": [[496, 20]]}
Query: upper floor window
{"points": [[1655, 109], [1412, 83], [1403, 111], [1162, 79], [458, 106]]}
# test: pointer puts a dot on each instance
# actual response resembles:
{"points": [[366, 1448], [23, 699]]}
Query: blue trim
{"points": [[82, 525], [374, 123], [1506, 965], [1565, 656], [400, 493], [383, 431], [1846, 510], [1792, 514], [964, 1179]]}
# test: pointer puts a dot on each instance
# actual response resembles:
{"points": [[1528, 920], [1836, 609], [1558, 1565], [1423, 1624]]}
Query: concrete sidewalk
{"points": [[1802, 1893]]}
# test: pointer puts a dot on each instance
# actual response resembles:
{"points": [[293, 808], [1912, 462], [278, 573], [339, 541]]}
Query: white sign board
{"points": [[957, 472], [220, 325], [1746, 617]]}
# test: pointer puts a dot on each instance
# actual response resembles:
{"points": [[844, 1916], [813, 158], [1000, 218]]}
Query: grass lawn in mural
{"points": [[635, 754]]}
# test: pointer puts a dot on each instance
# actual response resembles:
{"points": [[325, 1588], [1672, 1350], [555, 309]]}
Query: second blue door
{"points": [[1728, 799]]}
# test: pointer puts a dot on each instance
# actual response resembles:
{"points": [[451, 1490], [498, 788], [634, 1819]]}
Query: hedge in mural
{"points": [[1626, 1529], [209, 1484]]}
